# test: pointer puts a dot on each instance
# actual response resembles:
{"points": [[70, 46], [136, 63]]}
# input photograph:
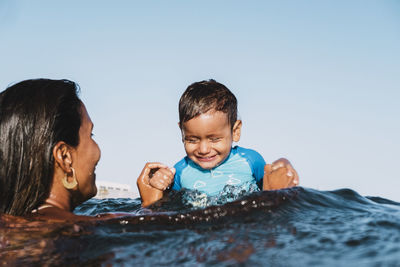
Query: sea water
{"points": [[291, 227]]}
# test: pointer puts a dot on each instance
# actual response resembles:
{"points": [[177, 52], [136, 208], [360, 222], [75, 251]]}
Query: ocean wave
{"points": [[290, 227]]}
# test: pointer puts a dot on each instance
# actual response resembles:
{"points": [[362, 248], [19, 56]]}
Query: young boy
{"points": [[209, 125]]}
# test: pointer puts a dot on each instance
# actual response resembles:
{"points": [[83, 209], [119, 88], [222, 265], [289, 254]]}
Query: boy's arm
{"points": [[280, 174], [153, 180]]}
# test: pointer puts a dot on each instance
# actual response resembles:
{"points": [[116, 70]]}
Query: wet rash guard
{"points": [[242, 166]]}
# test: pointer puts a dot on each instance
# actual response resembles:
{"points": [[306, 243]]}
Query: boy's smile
{"points": [[208, 138]]}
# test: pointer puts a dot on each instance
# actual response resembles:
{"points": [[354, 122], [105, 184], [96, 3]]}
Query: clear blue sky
{"points": [[318, 82]]}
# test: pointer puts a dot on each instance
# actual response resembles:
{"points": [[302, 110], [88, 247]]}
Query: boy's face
{"points": [[208, 138]]}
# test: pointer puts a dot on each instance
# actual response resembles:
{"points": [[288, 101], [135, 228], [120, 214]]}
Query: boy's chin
{"points": [[207, 167]]}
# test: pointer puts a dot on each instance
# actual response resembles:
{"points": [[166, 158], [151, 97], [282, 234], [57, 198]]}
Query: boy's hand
{"points": [[152, 190], [162, 178], [280, 174]]}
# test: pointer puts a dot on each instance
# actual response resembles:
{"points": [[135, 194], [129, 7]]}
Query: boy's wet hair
{"points": [[200, 97]]}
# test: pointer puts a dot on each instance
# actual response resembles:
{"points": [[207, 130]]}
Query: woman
{"points": [[47, 153]]}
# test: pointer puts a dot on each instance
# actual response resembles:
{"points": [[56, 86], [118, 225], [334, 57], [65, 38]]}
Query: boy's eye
{"points": [[192, 141], [215, 139]]}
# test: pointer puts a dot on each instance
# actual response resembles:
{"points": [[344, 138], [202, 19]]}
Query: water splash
{"points": [[198, 199]]}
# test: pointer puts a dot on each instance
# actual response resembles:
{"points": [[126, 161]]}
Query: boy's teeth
{"points": [[207, 157]]}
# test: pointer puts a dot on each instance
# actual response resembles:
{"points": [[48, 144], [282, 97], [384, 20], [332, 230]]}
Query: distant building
{"points": [[113, 190]]}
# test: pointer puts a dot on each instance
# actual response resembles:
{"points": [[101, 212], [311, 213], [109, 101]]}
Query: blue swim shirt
{"points": [[242, 166]]}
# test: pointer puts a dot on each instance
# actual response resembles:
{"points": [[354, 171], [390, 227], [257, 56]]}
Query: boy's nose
{"points": [[205, 147]]}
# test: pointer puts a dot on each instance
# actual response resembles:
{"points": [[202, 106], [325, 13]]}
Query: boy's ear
{"points": [[62, 156], [237, 131]]}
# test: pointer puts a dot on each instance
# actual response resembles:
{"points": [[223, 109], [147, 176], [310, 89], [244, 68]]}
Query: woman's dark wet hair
{"points": [[34, 116], [200, 97]]}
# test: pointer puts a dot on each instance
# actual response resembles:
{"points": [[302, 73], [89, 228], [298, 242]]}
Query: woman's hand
{"points": [[280, 174], [153, 180]]}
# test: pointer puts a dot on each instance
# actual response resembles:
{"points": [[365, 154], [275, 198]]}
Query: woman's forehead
{"points": [[85, 116]]}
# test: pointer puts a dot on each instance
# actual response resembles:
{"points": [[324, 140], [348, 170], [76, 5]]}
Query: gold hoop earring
{"points": [[70, 185]]}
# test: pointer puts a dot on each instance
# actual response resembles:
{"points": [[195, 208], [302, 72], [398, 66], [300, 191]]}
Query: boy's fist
{"points": [[155, 178], [162, 178], [280, 174]]}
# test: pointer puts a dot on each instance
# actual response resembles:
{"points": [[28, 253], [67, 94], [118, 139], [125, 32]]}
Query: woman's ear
{"points": [[237, 131], [62, 156]]}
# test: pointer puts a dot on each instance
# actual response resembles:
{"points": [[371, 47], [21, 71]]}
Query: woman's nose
{"points": [[99, 152]]}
